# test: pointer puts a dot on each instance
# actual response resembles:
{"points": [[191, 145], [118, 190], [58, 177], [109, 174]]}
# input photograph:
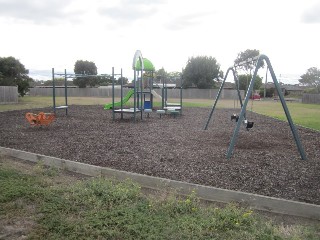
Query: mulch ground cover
{"points": [[265, 159]]}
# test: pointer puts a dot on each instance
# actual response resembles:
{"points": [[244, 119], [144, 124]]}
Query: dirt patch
{"points": [[265, 160]]}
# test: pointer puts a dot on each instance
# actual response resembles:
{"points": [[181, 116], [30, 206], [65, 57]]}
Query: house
{"points": [[295, 89], [227, 85]]}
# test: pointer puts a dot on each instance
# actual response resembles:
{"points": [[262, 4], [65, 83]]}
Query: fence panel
{"points": [[107, 93], [311, 98], [8, 94]]}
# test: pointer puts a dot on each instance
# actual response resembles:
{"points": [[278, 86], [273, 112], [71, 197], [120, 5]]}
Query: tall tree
{"points": [[124, 80], [311, 78], [244, 56], [201, 72], [243, 81], [85, 68], [161, 75], [247, 66], [13, 73], [174, 76]]}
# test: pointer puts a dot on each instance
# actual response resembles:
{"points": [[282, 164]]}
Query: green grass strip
{"points": [[106, 209]]}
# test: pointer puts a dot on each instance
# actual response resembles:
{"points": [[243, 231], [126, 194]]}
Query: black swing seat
{"points": [[249, 125], [234, 117]]}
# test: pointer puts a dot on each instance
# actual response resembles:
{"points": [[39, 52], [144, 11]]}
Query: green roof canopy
{"points": [[148, 66]]}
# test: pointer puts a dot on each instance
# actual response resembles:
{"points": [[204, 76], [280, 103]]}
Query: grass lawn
{"points": [[306, 115], [45, 203]]}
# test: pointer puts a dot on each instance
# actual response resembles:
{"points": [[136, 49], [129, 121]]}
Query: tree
{"points": [[270, 92], [123, 79], [201, 72], [244, 78], [161, 75], [85, 68], [311, 78], [244, 56], [13, 73]]}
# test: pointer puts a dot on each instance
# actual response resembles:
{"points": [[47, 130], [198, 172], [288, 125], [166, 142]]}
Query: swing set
{"points": [[241, 118]]}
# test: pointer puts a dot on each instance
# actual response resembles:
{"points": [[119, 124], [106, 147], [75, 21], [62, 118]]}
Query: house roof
{"points": [[294, 87], [227, 85]]}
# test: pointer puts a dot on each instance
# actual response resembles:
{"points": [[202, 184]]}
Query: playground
{"points": [[265, 159]]}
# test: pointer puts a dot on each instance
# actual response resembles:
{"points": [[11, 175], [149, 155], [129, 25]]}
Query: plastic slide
{"points": [[156, 94], [124, 100]]}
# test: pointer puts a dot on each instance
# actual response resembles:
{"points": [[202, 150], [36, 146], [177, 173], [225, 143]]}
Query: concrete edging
{"points": [[254, 201]]}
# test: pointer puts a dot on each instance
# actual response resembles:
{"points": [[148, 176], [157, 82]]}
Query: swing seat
{"points": [[234, 117], [41, 119], [249, 125]]}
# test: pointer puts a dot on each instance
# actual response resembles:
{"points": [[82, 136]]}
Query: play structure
{"points": [[40, 119], [67, 76], [241, 118], [143, 93], [120, 103]]}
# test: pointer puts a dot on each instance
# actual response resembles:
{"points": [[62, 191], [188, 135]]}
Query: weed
{"points": [[107, 209]]}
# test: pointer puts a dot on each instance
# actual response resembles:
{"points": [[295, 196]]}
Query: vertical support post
{"points": [[163, 96], [66, 91], [121, 94], [113, 113], [134, 95], [151, 88], [53, 92], [265, 84], [166, 93], [181, 95], [141, 90]]}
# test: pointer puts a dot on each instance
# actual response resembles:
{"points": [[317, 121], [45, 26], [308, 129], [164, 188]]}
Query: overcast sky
{"points": [[56, 33]]}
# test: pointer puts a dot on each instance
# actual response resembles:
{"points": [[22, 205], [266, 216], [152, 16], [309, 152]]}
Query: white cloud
{"points": [[186, 21], [129, 11], [36, 11], [53, 33], [312, 14]]}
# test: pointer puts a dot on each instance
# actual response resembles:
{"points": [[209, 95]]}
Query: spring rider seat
{"points": [[41, 119]]}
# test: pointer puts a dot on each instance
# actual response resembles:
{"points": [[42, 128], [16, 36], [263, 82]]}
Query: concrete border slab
{"points": [[208, 193]]}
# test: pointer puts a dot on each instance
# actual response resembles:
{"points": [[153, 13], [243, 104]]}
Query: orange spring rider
{"points": [[41, 119]]}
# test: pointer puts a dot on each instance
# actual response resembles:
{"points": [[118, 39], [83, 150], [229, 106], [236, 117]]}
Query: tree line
{"points": [[200, 72]]}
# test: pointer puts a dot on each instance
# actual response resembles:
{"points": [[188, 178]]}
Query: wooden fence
{"points": [[8, 94], [311, 98], [107, 93]]}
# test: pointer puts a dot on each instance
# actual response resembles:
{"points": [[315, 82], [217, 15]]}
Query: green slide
{"points": [[124, 100]]}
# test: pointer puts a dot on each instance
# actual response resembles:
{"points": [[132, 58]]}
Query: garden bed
{"points": [[265, 160]]}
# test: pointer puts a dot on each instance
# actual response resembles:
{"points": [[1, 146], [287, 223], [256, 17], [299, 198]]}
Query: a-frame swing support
{"points": [[261, 58]]}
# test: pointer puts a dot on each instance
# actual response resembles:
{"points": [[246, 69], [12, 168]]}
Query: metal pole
{"points": [[141, 91], [243, 110], [217, 98], [238, 90], [134, 95], [286, 110], [53, 92], [66, 91], [113, 113], [121, 94], [181, 95], [163, 93], [265, 84]]}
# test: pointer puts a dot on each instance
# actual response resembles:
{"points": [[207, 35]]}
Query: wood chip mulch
{"points": [[265, 159]]}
